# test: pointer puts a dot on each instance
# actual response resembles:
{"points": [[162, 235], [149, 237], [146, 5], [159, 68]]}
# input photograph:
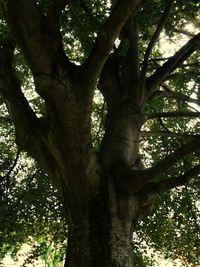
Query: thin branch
{"points": [[159, 59], [168, 134], [106, 38], [172, 63], [13, 165], [177, 181], [163, 125], [178, 96], [155, 37], [173, 114], [185, 32]]}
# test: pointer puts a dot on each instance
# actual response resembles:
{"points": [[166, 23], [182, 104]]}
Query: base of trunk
{"points": [[91, 248], [103, 238]]}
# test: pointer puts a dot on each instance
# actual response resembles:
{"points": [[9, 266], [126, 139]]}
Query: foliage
{"points": [[31, 208]]}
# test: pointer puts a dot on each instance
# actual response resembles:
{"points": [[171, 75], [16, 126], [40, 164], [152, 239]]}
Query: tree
{"points": [[70, 49]]}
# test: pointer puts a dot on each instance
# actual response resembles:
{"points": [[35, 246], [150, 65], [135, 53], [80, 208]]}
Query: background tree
{"points": [[54, 57]]}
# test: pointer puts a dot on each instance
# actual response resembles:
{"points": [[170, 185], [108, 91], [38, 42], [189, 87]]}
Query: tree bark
{"points": [[105, 192], [103, 236]]}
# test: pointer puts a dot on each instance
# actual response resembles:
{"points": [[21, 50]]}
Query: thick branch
{"points": [[177, 181], [27, 125], [129, 180], [133, 55], [29, 28], [20, 112], [178, 154], [172, 63], [53, 16], [37, 36], [173, 114], [109, 83], [129, 63], [135, 51], [155, 37], [106, 38]]}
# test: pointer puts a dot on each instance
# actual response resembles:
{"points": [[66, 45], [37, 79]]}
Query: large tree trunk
{"points": [[104, 212], [105, 194], [103, 237], [101, 233]]}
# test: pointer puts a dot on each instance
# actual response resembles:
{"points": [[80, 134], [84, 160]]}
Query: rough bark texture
{"points": [[105, 192], [103, 237]]}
